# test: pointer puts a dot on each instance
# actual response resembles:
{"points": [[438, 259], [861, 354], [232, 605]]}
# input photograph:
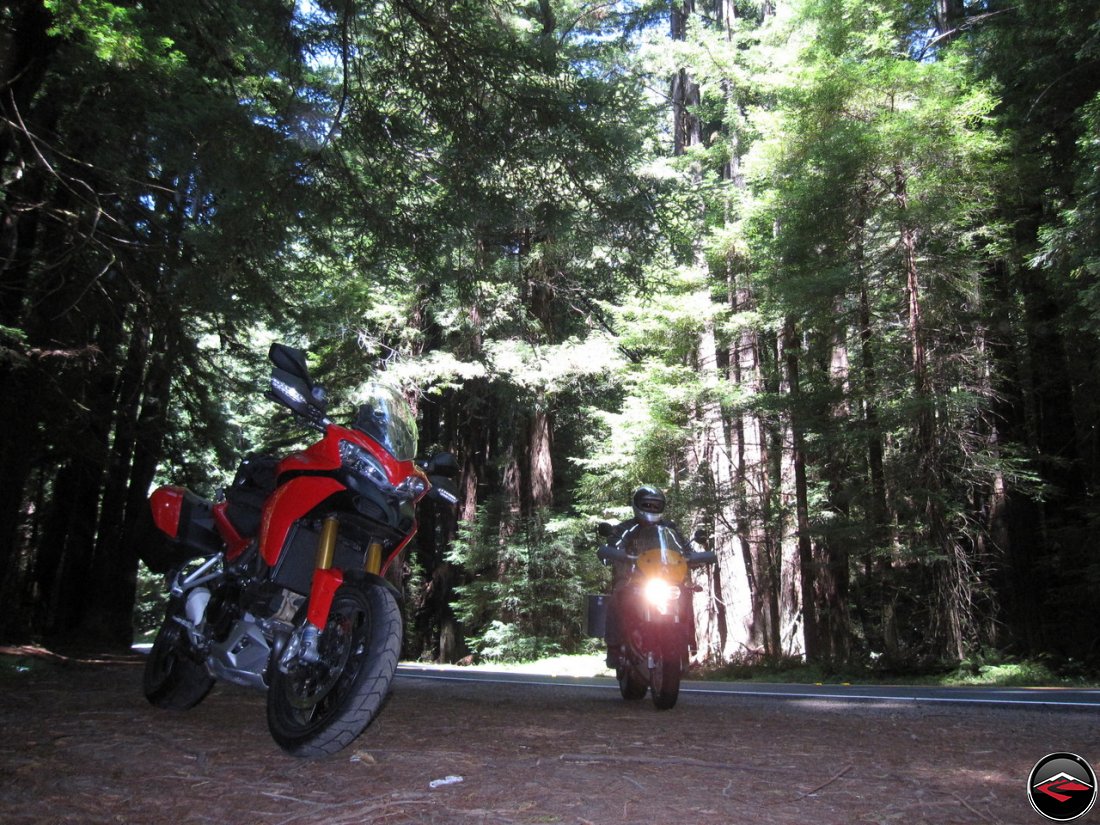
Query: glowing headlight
{"points": [[362, 463], [661, 594]]}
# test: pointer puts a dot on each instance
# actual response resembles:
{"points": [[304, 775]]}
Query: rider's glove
{"points": [[608, 553]]}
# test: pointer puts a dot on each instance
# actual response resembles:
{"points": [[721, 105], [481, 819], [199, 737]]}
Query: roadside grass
{"points": [[1001, 673]]}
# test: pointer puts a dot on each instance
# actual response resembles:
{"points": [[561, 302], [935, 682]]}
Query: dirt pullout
{"points": [[81, 745]]}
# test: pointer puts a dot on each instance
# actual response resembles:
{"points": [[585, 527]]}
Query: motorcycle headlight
{"points": [[362, 463], [661, 595]]}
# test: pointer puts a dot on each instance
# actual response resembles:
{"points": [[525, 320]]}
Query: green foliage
{"points": [[1071, 245], [525, 591], [1006, 673], [871, 255], [149, 604], [116, 33]]}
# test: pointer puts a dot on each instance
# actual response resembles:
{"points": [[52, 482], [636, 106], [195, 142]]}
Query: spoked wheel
{"points": [[665, 679], [631, 685], [174, 675], [317, 708]]}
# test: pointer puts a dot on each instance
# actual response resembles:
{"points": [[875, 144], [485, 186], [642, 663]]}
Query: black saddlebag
{"points": [[254, 482], [595, 624]]}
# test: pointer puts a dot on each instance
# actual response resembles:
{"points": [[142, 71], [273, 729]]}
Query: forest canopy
{"points": [[825, 271]]}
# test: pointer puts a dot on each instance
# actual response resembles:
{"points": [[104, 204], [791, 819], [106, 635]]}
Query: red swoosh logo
{"points": [[1059, 788]]}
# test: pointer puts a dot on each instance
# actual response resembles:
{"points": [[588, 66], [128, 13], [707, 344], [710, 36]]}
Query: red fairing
{"points": [[167, 505], [319, 456], [235, 544], [325, 455], [286, 505], [294, 498], [325, 585]]}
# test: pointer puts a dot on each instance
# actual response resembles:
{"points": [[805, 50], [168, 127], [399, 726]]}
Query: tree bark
{"points": [[114, 572], [540, 465], [807, 565]]}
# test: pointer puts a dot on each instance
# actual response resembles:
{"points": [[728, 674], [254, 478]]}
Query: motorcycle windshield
{"points": [[387, 418], [657, 537], [660, 553]]}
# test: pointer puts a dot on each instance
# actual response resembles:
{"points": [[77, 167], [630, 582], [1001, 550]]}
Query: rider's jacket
{"points": [[623, 534]]}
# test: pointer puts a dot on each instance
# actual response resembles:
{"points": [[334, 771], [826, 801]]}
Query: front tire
{"points": [[665, 680], [631, 686], [174, 676], [315, 709]]}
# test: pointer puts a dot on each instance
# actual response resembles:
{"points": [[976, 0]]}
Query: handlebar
{"points": [[608, 553]]}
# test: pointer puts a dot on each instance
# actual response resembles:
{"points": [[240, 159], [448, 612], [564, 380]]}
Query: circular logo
{"points": [[1062, 786]]}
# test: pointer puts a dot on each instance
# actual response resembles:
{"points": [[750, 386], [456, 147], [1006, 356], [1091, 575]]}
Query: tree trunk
{"points": [[950, 593], [807, 564], [114, 572], [770, 496], [949, 15], [686, 128], [881, 542], [540, 465]]}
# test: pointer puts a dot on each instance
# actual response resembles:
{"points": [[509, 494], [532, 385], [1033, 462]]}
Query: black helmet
{"points": [[649, 504]]}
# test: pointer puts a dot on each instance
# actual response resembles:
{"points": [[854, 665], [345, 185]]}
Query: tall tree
{"points": [[133, 140], [1043, 58]]}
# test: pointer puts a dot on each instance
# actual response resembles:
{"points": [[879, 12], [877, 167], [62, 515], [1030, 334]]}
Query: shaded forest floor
{"points": [[81, 745]]}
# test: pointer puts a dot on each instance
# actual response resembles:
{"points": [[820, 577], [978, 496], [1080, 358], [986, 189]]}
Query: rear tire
{"points": [[174, 677], [319, 708]]}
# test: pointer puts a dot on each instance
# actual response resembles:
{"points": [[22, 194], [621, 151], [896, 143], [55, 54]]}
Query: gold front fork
{"points": [[326, 546], [374, 558]]}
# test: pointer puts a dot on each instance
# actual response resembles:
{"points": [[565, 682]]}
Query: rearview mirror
{"points": [[289, 360], [442, 464], [443, 489], [291, 385]]}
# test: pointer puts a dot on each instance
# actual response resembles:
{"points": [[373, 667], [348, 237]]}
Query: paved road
{"points": [[884, 694]]}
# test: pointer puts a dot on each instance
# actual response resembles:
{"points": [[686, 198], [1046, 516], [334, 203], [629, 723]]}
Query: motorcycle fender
{"points": [[670, 642], [324, 587], [286, 505], [363, 578], [658, 639], [327, 582]]}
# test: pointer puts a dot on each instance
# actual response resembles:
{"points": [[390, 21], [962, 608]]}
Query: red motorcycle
{"points": [[281, 584]]}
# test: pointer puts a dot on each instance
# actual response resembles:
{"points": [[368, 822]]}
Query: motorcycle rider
{"points": [[649, 507]]}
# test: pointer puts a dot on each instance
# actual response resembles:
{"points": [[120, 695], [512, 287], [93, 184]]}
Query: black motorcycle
{"points": [[654, 609]]}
